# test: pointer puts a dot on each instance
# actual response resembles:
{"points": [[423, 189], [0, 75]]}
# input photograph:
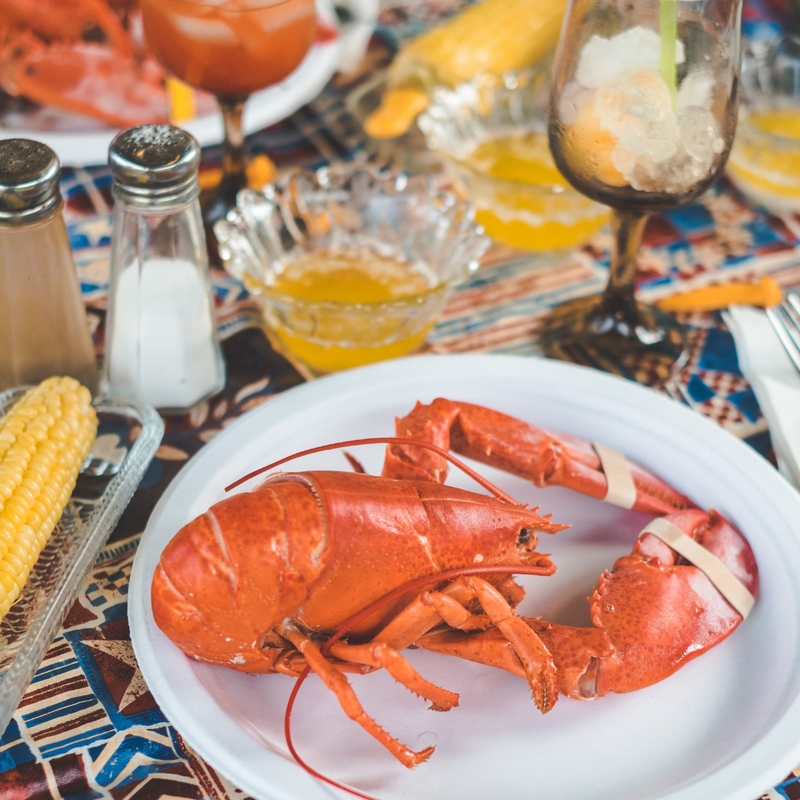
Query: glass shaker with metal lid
{"points": [[161, 340], [44, 330]]}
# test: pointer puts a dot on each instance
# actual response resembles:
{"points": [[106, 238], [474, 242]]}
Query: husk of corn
{"points": [[44, 440]]}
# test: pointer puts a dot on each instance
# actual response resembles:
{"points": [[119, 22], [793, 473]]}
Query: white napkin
{"points": [[775, 381]]}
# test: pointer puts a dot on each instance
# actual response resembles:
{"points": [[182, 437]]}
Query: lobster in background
{"points": [[265, 580], [89, 57], [83, 56]]}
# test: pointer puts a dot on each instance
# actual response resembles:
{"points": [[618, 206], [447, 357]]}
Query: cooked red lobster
{"points": [[83, 56], [262, 581]]}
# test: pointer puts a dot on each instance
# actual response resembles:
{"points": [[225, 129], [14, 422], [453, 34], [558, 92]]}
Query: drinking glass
{"points": [[642, 114], [230, 48]]}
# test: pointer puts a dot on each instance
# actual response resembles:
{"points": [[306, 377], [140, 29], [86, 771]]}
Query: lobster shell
{"points": [[317, 547]]}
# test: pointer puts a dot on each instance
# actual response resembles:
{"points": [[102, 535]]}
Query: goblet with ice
{"points": [[642, 115]]}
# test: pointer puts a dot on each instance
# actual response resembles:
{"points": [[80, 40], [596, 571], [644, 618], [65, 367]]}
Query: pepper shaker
{"points": [[162, 345], [43, 326]]}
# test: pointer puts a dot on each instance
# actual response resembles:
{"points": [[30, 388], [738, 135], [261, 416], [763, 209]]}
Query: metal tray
{"points": [[128, 433]]}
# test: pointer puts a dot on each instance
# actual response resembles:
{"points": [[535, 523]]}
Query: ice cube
{"points": [[648, 144], [573, 98], [275, 18], [636, 108], [698, 133], [637, 48], [206, 30], [695, 90], [695, 155]]}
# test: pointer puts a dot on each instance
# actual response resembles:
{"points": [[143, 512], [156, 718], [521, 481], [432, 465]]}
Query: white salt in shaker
{"points": [[161, 339]]}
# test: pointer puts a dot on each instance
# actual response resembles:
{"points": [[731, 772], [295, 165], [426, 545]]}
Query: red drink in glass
{"points": [[230, 48]]}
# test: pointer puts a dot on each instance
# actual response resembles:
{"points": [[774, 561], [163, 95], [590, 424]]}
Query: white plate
{"points": [[725, 727], [90, 147]]}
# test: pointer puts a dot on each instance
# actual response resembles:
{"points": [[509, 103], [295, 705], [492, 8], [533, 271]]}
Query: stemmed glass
{"points": [[230, 48], [642, 115]]}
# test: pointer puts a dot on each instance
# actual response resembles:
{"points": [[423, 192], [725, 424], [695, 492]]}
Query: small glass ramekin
{"points": [[350, 208], [545, 214]]}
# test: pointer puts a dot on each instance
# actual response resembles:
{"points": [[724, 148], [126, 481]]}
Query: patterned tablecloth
{"points": [[88, 727]]}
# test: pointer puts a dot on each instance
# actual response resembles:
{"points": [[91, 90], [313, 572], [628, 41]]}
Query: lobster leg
{"points": [[379, 655], [336, 681], [423, 613], [430, 609], [448, 605], [537, 662], [540, 456]]}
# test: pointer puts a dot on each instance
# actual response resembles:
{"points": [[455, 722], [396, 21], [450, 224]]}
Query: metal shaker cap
{"points": [[154, 165], [29, 188]]}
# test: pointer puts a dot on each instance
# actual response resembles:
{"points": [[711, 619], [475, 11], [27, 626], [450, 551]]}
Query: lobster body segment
{"points": [[317, 547], [224, 581], [383, 533]]}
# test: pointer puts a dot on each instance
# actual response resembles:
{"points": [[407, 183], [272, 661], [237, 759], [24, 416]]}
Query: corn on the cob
{"points": [[44, 440], [492, 36]]}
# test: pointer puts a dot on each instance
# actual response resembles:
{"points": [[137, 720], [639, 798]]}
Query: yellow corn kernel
{"points": [[44, 440], [6, 581], [491, 36]]}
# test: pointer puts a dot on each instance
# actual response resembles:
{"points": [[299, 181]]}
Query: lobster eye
{"points": [[524, 536]]}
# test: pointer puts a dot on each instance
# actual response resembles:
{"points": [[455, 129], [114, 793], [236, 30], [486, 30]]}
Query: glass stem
{"points": [[234, 162], [627, 228]]}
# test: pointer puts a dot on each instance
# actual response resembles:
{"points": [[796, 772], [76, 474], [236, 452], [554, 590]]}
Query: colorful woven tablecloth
{"points": [[88, 727]]}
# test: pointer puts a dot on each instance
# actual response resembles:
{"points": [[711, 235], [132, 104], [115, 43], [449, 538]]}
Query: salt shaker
{"points": [[43, 326], [161, 343]]}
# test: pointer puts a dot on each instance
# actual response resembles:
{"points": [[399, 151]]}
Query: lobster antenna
{"points": [[488, 485]]}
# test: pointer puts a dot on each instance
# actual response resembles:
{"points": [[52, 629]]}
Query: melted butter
{"points": [[331, 338], [537, 209], [347, 277]]}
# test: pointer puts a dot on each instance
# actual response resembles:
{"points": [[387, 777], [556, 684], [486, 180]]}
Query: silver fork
{"points": [[785, 319]]}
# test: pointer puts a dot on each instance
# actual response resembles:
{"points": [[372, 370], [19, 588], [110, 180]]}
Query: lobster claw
{"points": [[652, 613]]}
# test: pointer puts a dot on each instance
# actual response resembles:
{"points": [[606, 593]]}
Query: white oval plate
{"points": [[725, 727], [90, 148]]}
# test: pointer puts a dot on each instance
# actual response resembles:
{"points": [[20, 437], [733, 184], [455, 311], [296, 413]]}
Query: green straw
{"points": [[668, 23]]}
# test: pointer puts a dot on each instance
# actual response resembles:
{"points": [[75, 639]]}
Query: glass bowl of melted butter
{"points": [[350, 265], [491, 134]]}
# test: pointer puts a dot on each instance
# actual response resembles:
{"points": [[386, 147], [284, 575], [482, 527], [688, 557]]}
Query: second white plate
{"points": [[725, 727], [86, 148]]}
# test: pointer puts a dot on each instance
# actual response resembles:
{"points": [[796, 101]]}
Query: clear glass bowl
{"points": [[350, 210], [492, 135], [765, 159]]}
